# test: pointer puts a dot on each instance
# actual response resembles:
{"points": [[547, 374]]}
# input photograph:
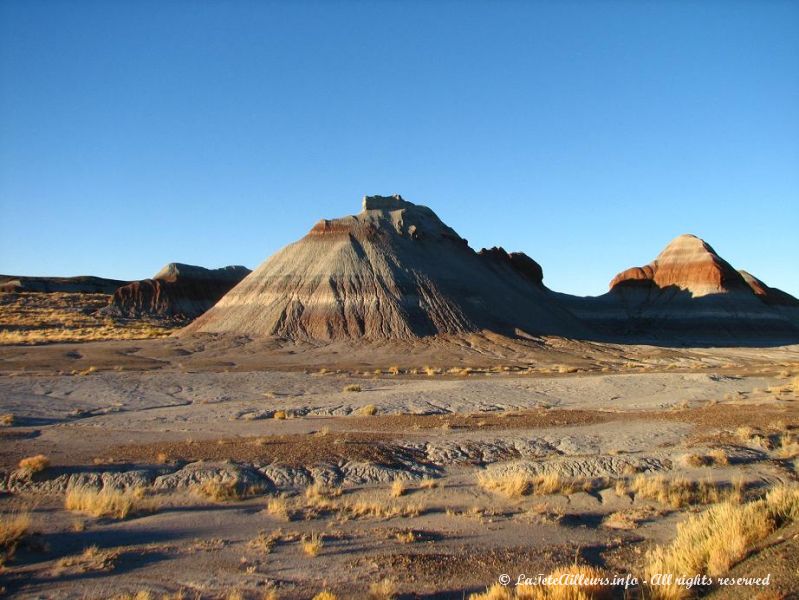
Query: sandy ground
{"points": [[169, 416]]}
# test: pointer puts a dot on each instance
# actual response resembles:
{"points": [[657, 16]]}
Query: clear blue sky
{"points": [[585, 134]]}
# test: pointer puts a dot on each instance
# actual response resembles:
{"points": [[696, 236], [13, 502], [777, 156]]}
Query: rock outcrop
{"points": [[393, 271], [177, 291]]}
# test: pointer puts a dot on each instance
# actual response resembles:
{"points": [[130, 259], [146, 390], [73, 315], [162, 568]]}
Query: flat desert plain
{"points": [[200, 467]]}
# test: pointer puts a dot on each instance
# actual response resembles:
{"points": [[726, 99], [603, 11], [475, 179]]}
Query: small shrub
{"points": [[312, 544], [6, 420], [280, 415], [34, 464], [325, 596], [353, 387]]}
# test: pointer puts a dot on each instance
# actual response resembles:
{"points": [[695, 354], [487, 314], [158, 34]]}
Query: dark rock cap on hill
{"points": [[178, 291]]}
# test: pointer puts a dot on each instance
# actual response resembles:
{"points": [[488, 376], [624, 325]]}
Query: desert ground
{"points": [[232, 468]]}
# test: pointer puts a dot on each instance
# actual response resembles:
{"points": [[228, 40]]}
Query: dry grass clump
{"points": [[680, 492], [34, 464], [394, 370], [312, 544], [13, 527], [265, 542], [279, 507], [428, 483], [585, 584], [223, 490], [325, 595], [408, 536], [382, 590], [353, 387], [397, 488], [281, 415], [716, 457], [367, 410], [92, 559], [107, 502], [6, 420], [712, 542], [788, 446], [319, 493], [515, 485]]}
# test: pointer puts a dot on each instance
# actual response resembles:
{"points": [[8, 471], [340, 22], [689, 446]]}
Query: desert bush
{"points": [[34, 464], [353, 387], [280, 415], [107, 502], [6, 420]]}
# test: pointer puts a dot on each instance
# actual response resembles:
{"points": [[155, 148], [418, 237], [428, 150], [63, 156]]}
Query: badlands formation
{"points": [[380, 412], [395, 271]]}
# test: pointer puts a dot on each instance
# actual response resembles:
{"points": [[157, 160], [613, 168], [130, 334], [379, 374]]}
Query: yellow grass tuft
{"points": [[278, 507], [353, 387], [678, 492], [106, 502], [312, 545], [368, 410], [13, 527], [383, 590], [6, 420], [428, 483], [788, 446], [712, 542], [325, 596], [515, 485], [220, 491], [34, 464], [397, 488], [280, 415]]}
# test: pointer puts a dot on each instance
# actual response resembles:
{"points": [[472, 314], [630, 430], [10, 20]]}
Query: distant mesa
{"points": [[393, 271], [178, 291], [83, 284]]}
